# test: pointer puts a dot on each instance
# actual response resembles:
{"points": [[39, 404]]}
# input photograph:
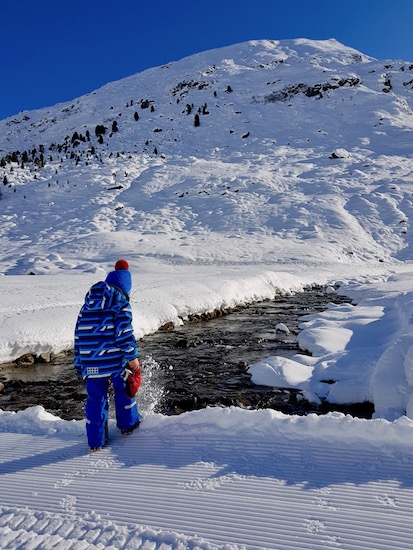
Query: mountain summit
{"points": [[253, 72], [265, 151]]}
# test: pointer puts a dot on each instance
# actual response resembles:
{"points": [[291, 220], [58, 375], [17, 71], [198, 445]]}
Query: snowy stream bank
{"points": [[199, 364]]}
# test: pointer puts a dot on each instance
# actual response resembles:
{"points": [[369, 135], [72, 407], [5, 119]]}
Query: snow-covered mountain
{"points": [[265, 151]]}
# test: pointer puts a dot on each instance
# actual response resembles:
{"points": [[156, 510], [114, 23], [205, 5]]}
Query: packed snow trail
{"points": [[217, 478]]}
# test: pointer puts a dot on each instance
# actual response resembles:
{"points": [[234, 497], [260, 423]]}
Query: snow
{"points": [[217, 478], [318, 193]]}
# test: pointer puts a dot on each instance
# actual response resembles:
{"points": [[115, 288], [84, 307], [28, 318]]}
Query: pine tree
{"points": [[197, 122], [99, 130]]}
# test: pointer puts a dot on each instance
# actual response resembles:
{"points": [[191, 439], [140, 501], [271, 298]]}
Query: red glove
{"points": [[133, 382]]}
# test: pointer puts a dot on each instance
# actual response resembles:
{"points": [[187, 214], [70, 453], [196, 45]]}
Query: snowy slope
{"points": [[255, 182]]}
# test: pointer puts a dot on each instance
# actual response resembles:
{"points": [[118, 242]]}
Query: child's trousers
{"points": [[97, 408]]}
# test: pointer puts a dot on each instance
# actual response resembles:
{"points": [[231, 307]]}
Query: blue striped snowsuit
{"points": [[104, 343]]}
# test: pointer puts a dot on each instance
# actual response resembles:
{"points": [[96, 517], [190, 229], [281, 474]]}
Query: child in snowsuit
{"points": [[104, 347]]}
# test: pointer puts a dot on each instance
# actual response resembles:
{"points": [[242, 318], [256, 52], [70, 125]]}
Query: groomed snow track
{"points": [[184, 482]]}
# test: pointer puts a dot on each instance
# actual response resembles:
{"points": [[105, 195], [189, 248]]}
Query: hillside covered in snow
{"points": [[262, 152]]}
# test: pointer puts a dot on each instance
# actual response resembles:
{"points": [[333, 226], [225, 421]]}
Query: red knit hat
{"points": [[121, 264]]}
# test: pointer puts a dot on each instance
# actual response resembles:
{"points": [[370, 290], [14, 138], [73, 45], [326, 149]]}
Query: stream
{"points": [[202, 363]]}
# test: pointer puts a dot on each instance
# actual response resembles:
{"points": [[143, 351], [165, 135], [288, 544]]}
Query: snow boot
{"points": [[128, 431]]}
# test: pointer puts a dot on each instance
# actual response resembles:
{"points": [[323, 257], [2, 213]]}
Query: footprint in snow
{"points": [[385, 500]]}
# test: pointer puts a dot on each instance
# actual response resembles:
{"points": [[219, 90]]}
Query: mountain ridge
{"points": [[290, 147], [263, 54]]}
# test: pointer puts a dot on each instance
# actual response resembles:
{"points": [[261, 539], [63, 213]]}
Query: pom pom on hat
{"points": [[121, 264]]}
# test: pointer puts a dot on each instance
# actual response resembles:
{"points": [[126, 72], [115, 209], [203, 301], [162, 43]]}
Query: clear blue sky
{"points": [[54, 51]]}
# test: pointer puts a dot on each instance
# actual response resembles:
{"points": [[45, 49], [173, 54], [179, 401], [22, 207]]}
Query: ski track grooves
{"points": [[183, 483]]}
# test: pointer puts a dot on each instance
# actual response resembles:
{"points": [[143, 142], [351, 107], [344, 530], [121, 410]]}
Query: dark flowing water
{"points": [[203, 363]]}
